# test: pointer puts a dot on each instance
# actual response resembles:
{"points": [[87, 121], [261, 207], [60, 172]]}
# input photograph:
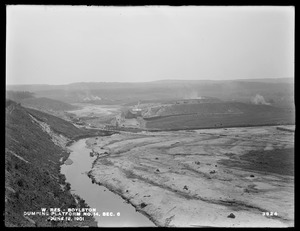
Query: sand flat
{"points": [[182, 178]]}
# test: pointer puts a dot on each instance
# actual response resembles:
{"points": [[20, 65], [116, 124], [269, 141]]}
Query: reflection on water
{"points": [[98, 196]]}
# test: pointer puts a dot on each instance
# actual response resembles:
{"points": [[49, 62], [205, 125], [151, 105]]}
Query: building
{"points": [[134, 112]]}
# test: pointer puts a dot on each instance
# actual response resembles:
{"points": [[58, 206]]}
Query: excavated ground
{"points": [[211, 177]]}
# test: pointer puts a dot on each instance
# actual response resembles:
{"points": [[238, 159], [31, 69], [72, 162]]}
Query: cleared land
{"points": [[200, 177], [184, 115], [45, 104], [96, 115], [225, 114]]}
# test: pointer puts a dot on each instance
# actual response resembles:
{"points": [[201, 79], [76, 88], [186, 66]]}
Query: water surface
{"points": [[97, 196]]}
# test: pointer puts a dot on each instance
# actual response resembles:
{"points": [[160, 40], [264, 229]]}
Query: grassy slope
{"points": [[28, 99], [251, 115], [280, 161], [36, 184], [18, 96], [63, 127], [47, 104]]}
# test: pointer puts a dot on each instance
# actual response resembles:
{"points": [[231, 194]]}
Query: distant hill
{"points": [[32, 167], [28, 99], [277, 91], [269, 80], [44, 103], [18, 96]]}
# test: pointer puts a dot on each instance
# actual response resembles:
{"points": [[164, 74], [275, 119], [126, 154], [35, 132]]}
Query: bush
{"points": [[67, 187], [20, 183], [17, 194]]}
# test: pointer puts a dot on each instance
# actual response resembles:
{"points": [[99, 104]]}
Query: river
{"points": [[97, 196]]}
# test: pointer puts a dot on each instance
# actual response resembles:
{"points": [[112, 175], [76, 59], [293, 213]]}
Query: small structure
{"points": [[134, 112]]}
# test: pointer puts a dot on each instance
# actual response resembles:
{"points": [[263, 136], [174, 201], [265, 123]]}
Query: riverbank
{"points": [[65, 145], [99, 197], [126, 199], [34, 151], [178, 178]]}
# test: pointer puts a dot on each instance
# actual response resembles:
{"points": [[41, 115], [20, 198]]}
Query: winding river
{"points": [[99, 197]]}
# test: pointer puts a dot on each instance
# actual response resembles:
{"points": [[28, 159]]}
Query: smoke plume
{"points": [[259, 99], [192, 94]]}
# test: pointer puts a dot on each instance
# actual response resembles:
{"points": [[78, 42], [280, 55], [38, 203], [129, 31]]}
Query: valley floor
{"points": [[202, 177]]}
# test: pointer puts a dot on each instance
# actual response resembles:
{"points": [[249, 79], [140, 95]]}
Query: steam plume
{"points": [[259, 99], [192, 95]]}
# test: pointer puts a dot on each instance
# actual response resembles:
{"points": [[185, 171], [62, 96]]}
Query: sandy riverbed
{"points": [[183, 178]]}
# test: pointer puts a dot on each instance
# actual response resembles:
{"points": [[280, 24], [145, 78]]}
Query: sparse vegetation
{"points": [[47, 104], [18, 96], [280, 161], [213, 115], [63, 127], [32, 171]]}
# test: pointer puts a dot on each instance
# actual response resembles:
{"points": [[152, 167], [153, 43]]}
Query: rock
{"points": [[143, 205], [197, 162], [231, 215], [216, 165], [127, 191], [185, 187], [157, 170], [251, 175], [29, 219], [10, 189], [68, 162], [212, 172], [156, 158]]}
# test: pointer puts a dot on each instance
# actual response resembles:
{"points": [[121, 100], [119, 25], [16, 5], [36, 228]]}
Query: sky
{"points": [[66, 44]]}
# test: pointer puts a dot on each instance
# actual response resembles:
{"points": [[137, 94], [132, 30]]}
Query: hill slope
{"points": [[28, 99], [225, 114], [18, 96], [276, 91], [44, 103], [32, 166]]}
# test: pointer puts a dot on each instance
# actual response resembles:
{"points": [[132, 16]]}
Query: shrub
{"points": [[20, 183], [67, 187]]}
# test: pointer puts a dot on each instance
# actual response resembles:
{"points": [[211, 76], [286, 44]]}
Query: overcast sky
{"points": [[65, 44]]}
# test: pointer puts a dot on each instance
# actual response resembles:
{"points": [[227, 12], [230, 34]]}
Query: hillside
{"points": [[29, 99], [18, 96], [44, 103], [208, 108], [63, 127], [32, 166], [279, 92], [208, 115]]}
